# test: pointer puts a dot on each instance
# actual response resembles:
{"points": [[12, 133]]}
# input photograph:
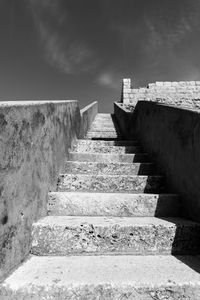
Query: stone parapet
{"points": [[35, 138]]}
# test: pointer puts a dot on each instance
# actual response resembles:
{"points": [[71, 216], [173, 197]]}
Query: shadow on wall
{"points": [[172, 137]]}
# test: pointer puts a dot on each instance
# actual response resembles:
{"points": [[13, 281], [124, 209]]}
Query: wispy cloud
{"points": [[61, 50], [109, 80]]}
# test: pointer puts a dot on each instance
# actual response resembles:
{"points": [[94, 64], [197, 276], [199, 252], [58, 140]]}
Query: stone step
{"points": [[100, 168], [111, 183], [109, 158], [105, 277], [63, 235], [107, 149], [103, 125], [104, 116], [113, 204], [99, 129], [101, 143], [105, 134]]}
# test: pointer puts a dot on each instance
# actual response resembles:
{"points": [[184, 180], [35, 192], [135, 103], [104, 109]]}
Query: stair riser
{"points": [[99, 204], [103, 128], [99, 134], [107, 143], [73, 167], [117, 239], [108, 158], [95, 183], [107, 149], [106, 292]]}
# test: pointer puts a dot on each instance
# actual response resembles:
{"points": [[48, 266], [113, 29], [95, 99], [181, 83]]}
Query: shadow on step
{"points": [[190, 261], [181, 235]]}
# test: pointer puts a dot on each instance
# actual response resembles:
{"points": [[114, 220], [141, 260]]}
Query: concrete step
{"points": [[98, 168], [101, 143], [107, 149], [111, 183], [105, 134], [103, 127], [109, 158], [104, 116], [103, 124], [105, 277], [105, 130], [63, 235], [113, 204]]}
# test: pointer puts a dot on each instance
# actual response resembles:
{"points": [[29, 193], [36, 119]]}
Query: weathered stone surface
{"points": [[34, 141], [107, 143], [62, 235], [107, 149], [88, 114], [113, 204], [172, 134], [79, 167], [109, 158], [100, 134], [179, 94], [111, 183], [105, 277]]}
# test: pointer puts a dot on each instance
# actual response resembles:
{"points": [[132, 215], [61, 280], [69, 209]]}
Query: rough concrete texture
{"points": [[171, 135], [109, 158], [100, 134], [105, 277], [111, 183], [88, 114], [34, 142], [62, 235], [113, 204], [102, 126], [107, 149], [107, 143], [78, 167]]}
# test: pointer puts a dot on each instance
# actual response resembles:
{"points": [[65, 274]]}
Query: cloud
{"points": [[108, 80], [60, 48]]}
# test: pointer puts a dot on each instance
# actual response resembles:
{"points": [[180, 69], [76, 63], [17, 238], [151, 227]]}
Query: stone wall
{"points": [[172, 136], [182, 93], [34, 141], [88, 114]]}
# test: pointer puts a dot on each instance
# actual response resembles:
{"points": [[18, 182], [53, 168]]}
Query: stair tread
{"points": [[138, 276], [101, 142], [109, 158], [113, 221], [113, 204]]}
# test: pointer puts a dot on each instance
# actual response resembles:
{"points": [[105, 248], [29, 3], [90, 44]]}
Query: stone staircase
{"points": [[111, 230]]}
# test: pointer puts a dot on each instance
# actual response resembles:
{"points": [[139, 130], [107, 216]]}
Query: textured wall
{"points": [[182, 93], [172, 136], [34, 142], [88, 114]]}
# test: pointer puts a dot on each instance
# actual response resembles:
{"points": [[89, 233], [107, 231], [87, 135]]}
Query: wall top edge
{"points": [[121, 106], [34, 102], [89, 106], [185, 108]]}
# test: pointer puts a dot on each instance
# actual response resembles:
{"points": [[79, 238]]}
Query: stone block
{"points": [[111, 183], [109, 158], [100, 168], [62, 235], [113, 204]]}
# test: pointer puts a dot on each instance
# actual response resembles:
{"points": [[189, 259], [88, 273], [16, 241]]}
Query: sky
{"points": [[82, 49]]}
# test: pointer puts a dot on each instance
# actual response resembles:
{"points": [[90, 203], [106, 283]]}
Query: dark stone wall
{"points": [[172, 136]]}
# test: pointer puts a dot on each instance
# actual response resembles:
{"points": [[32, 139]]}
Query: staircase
{"points": [[111, 230]]}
